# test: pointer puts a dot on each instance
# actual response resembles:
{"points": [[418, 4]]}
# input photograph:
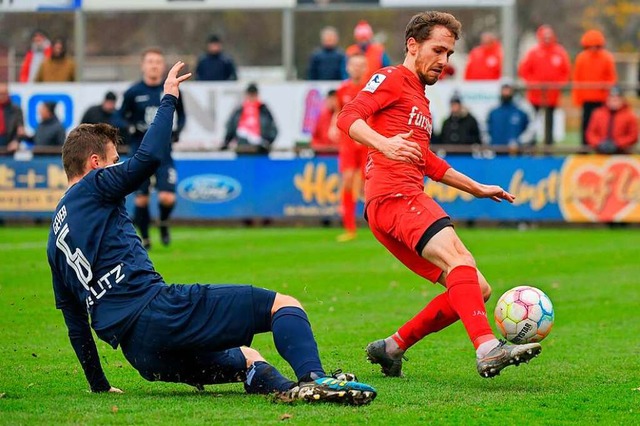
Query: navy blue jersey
{"points": [[98, 263], [139, 106]]}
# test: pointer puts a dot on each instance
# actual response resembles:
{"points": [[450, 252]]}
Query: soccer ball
{"points": [[524, 314]]}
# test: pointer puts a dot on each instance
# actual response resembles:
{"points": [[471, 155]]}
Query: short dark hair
{"points": [[252, 88], [110, 96], [421, 25], [214, 38], [84, 141]]}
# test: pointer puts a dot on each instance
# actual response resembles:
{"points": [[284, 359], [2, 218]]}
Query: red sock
{"points": [[466, 299], [437, 315], [348, 211]]}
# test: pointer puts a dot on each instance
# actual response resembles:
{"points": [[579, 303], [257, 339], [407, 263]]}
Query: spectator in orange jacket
{"points": [[364, 45], [546, 63], [40, 50], [485, 60], [613, 128], [594, 67]]}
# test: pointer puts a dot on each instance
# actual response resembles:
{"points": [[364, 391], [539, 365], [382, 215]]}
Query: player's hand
{"points": [[173, 81], [400, 148], [494, 192], [115, 390]]}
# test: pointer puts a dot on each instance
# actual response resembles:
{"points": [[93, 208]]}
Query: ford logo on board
{"points": [[209, 188]]}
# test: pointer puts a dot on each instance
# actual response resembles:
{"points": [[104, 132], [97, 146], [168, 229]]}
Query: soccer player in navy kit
{"points": [[194, 334], [139, 106]]}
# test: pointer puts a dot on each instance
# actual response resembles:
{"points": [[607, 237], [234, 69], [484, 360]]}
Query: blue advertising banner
{"points": [[587, 188]]}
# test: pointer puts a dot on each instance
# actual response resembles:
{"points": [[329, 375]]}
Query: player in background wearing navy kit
{"points": [[391, 116], [139, 106], [194, 334]]}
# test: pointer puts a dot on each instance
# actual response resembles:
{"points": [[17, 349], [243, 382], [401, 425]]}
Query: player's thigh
{"points": [[142, 193], [205, 317], [408, 257], [411, 219], [166, 178], [446, 250]]}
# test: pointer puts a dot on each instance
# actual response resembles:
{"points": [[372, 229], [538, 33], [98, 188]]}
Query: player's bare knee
{"points": [[141, 200], [251, 355], [284, 301], [167, 198]]}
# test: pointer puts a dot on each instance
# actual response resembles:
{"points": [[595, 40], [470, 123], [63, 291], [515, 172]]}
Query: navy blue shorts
{"points": [[191, 333], [164, 180]]}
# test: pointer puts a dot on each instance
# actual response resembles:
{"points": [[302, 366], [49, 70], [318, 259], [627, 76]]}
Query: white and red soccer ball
{"points": [[524, 315]]}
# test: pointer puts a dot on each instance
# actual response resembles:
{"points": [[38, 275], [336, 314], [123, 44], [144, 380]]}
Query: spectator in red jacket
{"points": [[40, 50], [594, 67], [613, 128], [547, 63], [485, 60], [325, 136]]}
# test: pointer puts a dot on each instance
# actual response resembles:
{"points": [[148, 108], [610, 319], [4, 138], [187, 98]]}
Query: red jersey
{"points": [[394, 102], [347, 92]]}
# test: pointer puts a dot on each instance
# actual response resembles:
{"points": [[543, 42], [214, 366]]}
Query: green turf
{"points": [[354, 293]]}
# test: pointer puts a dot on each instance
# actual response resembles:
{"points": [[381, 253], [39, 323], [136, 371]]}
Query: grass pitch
{"points": [[355, 292]]}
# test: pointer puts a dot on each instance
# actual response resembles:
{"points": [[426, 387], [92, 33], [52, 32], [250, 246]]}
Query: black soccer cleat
{"points": [[377, 354], [505, 355], [329, 389], [165, 236]]}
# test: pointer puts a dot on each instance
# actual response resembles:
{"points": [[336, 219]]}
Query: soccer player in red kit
{"points": [[351, 155], [391, 116]]}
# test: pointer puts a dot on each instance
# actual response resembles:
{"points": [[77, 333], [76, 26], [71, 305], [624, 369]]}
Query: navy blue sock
{"points": [[264, 378], [294, 340], [165, 212], [142, 218]]}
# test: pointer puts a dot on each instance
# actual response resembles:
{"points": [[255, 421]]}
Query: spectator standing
{"points": [[364, 45], [251, 125], [596, 67], [59, 67], [507, 123], [485, 60], [102, 113], [215, 64], [139, 106], [547, 63], [325, 136], [460, 128], [49, 131], [327, 62], [39, 50], [11, 121], [613, 128]]}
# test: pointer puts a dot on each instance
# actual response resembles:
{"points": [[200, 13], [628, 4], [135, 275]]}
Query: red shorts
{"points": [[404, 224], [351, 155]]}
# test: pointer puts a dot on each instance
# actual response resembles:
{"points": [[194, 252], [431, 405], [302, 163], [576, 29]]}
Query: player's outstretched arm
{"points": [[116, 182], [464, 183], [84, 346]]}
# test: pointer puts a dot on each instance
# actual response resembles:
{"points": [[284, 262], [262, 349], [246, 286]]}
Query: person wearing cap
{"points": [[102, 113], [613, 128], [327, 62], [49, 131], [460, 128], [39, 50], [507, 123], [251, 126], [59, 67], [215, 64], [374, 52], [593, 76]]}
